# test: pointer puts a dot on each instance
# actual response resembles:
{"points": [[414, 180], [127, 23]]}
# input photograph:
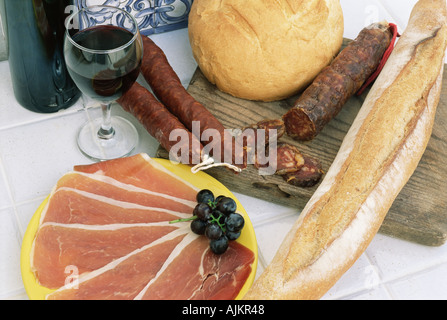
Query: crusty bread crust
{"points": [[378, 156], [263, 49]]}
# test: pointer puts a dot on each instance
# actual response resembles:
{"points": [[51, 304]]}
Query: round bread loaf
{"points": [[262, 49]]}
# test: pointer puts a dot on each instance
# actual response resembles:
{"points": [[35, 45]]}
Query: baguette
{"points": [[378, 155]]}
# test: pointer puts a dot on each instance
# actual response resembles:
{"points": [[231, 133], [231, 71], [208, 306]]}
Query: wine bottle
{"points": [[39, 75]]}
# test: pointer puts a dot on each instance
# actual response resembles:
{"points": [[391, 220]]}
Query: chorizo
{"points": [[159, 122], [309, 174], [332, 88], [256, 136], [289, 159], [270, 128], [294, 167], [168, 88]]}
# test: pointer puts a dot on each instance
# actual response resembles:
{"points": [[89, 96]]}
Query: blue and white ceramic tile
{"points": [[153, 16]]}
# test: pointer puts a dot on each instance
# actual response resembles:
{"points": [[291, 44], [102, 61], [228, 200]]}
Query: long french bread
{"points": [[378, 155]]}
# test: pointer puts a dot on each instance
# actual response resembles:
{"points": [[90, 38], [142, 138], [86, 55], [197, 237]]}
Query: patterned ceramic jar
{"points": [[153, 16]]}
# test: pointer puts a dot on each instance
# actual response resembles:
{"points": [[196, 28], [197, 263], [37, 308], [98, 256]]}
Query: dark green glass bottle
{"points": [[39, 76]]}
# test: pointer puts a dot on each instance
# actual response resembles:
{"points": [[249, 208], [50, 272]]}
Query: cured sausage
{"points": [[159, 122], [266, 127], [255, 138], [297, 169], [289, 159], [332, 88], [259, 135], [168, 88], [309, 174]]}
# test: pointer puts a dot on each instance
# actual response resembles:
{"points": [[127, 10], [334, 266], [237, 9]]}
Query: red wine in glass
{"points": [[102, 79], [103, 52]]}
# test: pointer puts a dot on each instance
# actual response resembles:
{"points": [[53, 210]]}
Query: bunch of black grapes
{"points": [[217, 219]]}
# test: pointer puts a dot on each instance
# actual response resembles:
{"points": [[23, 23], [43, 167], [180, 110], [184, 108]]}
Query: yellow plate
{"points": [[201, 180]]}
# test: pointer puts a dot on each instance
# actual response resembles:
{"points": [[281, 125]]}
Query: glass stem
{"points": [[106, 131]]}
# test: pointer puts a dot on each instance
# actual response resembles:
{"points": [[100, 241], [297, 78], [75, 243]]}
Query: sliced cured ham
{"points": [[209, 277], [143, 172], [108, 187], [87, 248], [185, 262], [113, 229], [123, 278], [70, 205]]}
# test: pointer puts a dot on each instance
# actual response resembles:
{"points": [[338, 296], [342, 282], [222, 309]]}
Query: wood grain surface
{"points": [[419, 214]]}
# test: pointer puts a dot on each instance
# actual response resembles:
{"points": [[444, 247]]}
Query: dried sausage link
{"points": [[159, 122], [308, 176], [258, 135], [289, 159], [271, 128], [332, 88], [168, 88]]}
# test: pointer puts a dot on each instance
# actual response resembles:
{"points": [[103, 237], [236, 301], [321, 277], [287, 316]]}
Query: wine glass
{"points": [[103, 51]]}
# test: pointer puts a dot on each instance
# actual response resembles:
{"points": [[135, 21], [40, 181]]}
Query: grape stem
{"points": [[212, 204], [217, 220], [183, 220], [213, 219]]}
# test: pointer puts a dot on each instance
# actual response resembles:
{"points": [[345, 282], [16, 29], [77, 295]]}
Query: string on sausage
{"points": [[332, 88]]}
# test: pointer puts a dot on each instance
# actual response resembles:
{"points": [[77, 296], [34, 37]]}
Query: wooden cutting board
{"points": [[419, 213]]}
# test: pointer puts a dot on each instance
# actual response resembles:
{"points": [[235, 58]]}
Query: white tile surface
{"points": [[399, 10], [361, 13], [397, 258], [271, 233], [361, 277], [46, 149], [422, 286], [377, 293], [5, 198], [10, 239], [36, 149]]}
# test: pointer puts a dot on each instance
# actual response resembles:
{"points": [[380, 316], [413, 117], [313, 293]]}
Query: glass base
{"points": [[121, 144]]}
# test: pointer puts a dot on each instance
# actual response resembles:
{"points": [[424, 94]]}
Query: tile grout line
{"points": [[379, 274], [5, 180], [80, 106], [417, 272], [11, 197], [267, 218], [386, 283], [41, 119]]}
